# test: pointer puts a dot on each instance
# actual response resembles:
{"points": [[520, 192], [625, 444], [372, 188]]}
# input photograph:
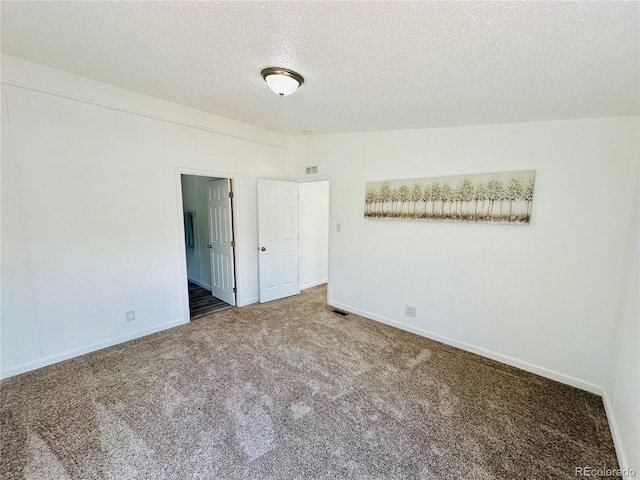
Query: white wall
{"points": [[196, 199], [542, 297], [90, 217], [623, 375], [314, 233]]}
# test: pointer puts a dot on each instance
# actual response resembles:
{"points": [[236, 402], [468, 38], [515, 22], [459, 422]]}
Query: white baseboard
{"points": [[312, 284], [529, 367], [43, 362], [199, 283], [617, 440]]}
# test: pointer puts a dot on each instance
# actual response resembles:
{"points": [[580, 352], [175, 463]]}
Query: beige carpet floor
{"points": [[290, 390]]}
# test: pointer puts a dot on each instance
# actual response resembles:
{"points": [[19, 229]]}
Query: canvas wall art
{"points": [[486, 198]]}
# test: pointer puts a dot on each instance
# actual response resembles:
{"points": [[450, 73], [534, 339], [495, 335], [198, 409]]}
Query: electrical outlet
{"points": [[410, 310], [131, 315]]}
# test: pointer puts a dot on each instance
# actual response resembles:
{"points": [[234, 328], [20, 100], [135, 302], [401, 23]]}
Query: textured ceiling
{"points": [[367, 65]]}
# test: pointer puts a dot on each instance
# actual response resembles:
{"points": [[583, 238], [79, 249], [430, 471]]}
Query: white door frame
{"points": [[321, 178], [239, 248]]}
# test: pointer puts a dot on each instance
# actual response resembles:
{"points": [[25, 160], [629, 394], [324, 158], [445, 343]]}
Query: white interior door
{"points": [[221, 242], [278, 239]]}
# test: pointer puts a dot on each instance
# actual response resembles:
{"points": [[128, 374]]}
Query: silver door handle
{"points": [[209, 246], [263, 249]]}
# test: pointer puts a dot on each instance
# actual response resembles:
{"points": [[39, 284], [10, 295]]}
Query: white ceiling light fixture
{"points": [[282, 81]]}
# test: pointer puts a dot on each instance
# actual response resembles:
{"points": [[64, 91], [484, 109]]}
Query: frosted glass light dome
{"points": [[282, 81]]}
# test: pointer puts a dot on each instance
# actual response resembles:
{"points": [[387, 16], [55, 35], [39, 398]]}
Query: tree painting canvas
{"points": [[485, 198]]}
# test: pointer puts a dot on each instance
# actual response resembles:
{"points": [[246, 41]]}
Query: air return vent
{"points": [[312, 170]]}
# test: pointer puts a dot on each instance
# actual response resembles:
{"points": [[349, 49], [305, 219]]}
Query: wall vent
{"points": [[312, 170]]}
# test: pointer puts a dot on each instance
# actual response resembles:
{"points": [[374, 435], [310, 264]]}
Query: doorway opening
{"points": [[293, 236], [207, 204], [314, 199]]}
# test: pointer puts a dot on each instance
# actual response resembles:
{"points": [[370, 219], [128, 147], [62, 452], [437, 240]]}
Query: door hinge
{"points": [[230, 194], [233, 243], [235, 289]]}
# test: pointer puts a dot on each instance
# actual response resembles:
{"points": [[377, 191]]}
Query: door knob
{"points": [[263, 249], [209, 246]]}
